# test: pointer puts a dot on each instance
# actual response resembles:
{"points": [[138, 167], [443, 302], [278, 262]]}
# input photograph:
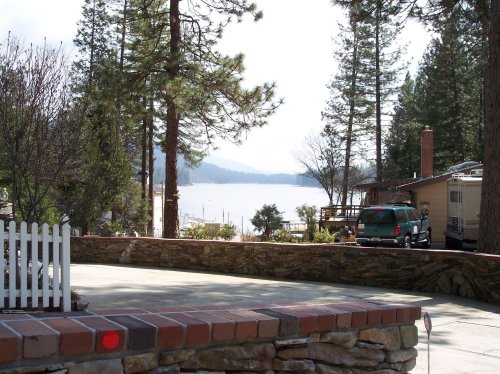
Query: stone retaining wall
{"points": [[457, 273], [362, 337]]}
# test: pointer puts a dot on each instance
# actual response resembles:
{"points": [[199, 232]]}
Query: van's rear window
{"points": [[377, 216]]}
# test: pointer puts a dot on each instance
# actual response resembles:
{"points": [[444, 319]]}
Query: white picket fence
{"points": [[54, 272]]}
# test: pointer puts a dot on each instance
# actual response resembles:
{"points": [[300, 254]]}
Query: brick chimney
{"points": [[427, 153]]}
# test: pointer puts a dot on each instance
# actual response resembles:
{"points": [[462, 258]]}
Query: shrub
{"points": [[282, 235], [323, 236], [112, 229], [227, 232], [198, 232]]}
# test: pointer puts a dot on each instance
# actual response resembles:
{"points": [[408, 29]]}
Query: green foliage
{"points": [[267, 220], [132, 213], [227, 232], [447, 96], [284, 236], [198, 232], [201, 231], [112, 229], [323, 236], [403, 140], [105, 170], [308, 214]]}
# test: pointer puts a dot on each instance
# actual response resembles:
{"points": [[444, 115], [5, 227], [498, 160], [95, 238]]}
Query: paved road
{"points": [[465, 336]]}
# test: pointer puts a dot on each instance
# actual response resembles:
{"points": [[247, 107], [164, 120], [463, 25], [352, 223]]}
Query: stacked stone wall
{"points": [[464, 274]]}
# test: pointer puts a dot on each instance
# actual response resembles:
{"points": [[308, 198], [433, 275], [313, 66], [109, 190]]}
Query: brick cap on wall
{"points": [[30, 336]]}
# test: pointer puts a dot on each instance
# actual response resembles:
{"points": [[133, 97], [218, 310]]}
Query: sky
{"points": [[292, 46]]}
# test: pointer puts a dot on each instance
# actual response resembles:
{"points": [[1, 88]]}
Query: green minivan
{"points": [[393, 225]]}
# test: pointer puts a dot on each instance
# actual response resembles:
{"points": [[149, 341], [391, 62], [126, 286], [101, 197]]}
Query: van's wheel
{"points": [[428, 241], [406, 242]]}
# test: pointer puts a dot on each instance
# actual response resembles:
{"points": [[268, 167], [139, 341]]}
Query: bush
{"points": [[227, 232], [112, 229], [282, 236], [198, 232], [323, 236], [268, 219]]}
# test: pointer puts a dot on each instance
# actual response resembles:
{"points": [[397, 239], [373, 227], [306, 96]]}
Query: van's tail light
{"points": [[356, 229], [397, 230]]}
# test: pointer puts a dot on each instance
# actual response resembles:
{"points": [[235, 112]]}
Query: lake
{"points": [[237, 203]]}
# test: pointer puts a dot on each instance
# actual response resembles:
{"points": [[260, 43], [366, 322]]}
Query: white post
{"points": [[45, 261], [12, 264], [34, 265], [55, 265], [2, 264], [65, 271], [23, 264]]}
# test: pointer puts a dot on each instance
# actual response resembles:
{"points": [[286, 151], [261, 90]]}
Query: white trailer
{"points": [[464, 201]]}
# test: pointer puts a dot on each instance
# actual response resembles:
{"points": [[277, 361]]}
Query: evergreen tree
{"points": [[203, 94], [349, 108], [403, 140], [92, 41], [449, 97], [105, 170], [380, 15], [487, 26], [268, 219]]}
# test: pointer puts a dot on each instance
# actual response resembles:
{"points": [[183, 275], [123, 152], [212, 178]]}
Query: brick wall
{"points": [[356, 337], [458, 273]]}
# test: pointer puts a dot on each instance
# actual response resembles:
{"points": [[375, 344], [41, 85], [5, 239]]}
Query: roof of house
{"points": [[412, 183]]}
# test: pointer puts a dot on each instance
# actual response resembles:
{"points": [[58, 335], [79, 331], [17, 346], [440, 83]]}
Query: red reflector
{"points": [[110, 340], [397, 230]]}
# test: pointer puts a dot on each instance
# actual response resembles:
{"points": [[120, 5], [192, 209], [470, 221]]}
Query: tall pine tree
{"points": [[350, 108]]}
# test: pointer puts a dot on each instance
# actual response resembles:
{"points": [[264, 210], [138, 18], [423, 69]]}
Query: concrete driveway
{"points": [[465, 336]]}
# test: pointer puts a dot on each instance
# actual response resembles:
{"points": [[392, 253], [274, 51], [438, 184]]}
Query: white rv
{"points": [[464, 201]]}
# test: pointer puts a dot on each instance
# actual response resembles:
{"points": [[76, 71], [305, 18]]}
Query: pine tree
{"points": [[403, 140], [349, 108], [380, 15], [105, 170], [449, 98], [487, 26], [92, 40], [203, 94]]}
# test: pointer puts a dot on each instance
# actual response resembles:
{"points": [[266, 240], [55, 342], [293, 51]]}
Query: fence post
{"points": [[34, 265], [66, 264], [23, 264], [12, 264], [45, 261], [56, 290]]}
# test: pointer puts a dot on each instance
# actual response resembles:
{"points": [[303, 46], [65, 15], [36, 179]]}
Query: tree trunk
{"points": [[489, 228], [352, 104], [144, 147], [378, 110], [151, 167], [171, 216]]}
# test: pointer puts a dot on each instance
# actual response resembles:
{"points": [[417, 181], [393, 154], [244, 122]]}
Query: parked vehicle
{"points": [[464, 202], [393, 225]]}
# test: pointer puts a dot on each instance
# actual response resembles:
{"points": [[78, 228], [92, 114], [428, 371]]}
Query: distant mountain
{"points": [[209, 172], [230, 164]]}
